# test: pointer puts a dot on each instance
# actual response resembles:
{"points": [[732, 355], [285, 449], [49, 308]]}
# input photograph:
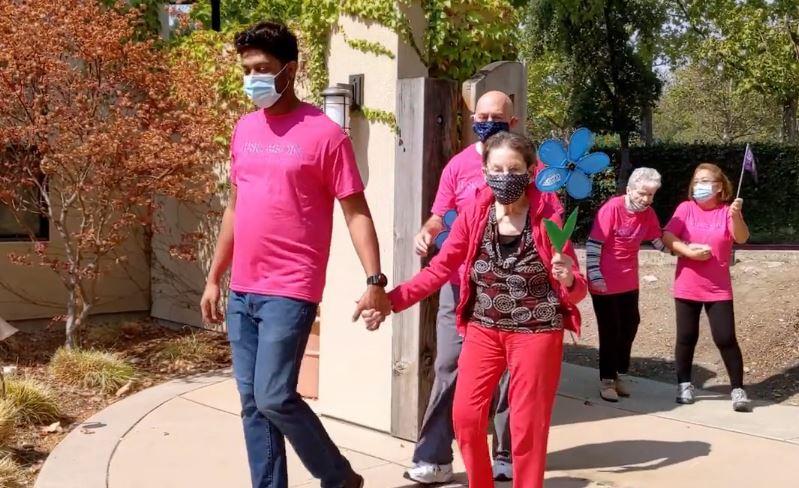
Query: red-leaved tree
{"points": [[94, 124]]}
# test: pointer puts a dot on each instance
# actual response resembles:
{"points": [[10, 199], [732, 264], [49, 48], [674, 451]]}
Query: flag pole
{"points": [[743, 169]]}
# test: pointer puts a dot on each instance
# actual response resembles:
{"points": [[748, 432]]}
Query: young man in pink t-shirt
{"points": [[620, 226], [289, 163]]}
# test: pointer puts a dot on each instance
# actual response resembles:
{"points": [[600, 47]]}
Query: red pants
{"points": [[534, 361]]}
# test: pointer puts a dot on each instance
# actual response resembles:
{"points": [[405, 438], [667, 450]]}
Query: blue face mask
{"points": [[703, 192], [486, 129], [260, 88]]}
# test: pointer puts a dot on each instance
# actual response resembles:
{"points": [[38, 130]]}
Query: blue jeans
{"points": [[267, 339]]}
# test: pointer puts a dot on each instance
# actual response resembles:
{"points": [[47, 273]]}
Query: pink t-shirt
{"points": [[287, 170], [460, 181], [703, 281], [622, 232]]}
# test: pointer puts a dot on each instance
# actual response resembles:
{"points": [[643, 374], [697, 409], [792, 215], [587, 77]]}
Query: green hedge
{"points": [[770, 207]]}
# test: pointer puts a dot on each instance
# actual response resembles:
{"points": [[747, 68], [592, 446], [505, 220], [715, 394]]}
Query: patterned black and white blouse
{"points": [[512, 287]]}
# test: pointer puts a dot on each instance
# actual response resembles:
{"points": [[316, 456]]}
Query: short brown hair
{"points": [[516, 142], [726, 185]]}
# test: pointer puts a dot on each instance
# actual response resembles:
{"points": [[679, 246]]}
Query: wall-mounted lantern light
{"points": [[338, 103], [340, 99]]}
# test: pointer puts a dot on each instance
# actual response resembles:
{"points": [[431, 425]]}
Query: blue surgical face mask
{"points": [[488, 128], [261, 89], [703, 192]]}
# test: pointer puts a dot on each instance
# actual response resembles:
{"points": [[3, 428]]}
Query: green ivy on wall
{"points": [[369, 47], [461, 36], [381, 117]]}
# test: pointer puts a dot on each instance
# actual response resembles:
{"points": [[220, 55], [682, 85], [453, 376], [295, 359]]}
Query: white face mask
{"points": [[261, 89], [632, 205]]}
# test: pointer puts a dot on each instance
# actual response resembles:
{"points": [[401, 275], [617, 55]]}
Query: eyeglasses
{"points": [[706, 181]]}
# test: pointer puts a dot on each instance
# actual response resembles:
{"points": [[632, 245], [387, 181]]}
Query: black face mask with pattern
{"points": [[508, 188]]}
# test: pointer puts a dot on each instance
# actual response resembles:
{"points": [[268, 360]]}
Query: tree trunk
{"points": [[790, 132], [646, 125], [72, 319], [76, 319], [626, 167]]}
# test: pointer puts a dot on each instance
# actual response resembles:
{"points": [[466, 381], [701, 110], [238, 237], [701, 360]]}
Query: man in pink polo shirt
{"points": [[289, 162], [461, 180]]}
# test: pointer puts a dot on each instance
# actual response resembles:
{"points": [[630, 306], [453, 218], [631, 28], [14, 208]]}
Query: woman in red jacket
{"points": [[517, 296]]}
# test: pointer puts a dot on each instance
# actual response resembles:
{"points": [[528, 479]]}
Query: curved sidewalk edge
{"points": [[81, 460]]}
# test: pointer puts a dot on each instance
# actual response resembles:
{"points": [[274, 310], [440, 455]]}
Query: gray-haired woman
{"points": [[621, 225]]}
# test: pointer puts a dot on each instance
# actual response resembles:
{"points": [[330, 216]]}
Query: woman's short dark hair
{"points": [[516, 142], [272, 38]]}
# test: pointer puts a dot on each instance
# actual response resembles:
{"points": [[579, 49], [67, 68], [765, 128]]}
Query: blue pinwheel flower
{"points": [[449, 220], [571, 168]]}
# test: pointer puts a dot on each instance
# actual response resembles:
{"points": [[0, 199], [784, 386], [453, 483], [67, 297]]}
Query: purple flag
{"points": [[749, 162]]}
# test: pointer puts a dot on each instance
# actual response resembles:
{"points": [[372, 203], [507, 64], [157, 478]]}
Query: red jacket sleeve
{"points": [[579, 288], [433, 277]]}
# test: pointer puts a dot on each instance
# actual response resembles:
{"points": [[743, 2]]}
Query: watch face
{"points": [[379, 280]]}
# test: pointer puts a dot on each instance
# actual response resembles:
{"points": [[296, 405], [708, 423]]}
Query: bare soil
{"points": [[767, 327]]}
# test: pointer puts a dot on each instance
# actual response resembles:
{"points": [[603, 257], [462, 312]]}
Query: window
{"points": [[21, 225]]}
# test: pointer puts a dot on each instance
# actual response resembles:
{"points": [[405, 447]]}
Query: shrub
{"points": [[187, 348], [769, 207], [91, 369], [10, 473], [8, 417], [34, 402]]}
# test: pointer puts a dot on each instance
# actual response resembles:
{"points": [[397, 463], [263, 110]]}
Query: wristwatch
{"points": [[377, 280]]}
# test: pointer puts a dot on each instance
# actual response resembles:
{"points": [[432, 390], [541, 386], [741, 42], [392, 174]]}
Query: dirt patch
{"points": [[767, 326], [138, 340]]}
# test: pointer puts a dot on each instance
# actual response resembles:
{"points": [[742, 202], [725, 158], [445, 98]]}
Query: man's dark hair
{"points": [[273, 38]]}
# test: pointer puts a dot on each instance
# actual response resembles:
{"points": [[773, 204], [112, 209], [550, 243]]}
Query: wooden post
{"points": [[428, 129]]}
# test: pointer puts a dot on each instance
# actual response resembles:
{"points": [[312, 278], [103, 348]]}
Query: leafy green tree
{"points": [[703, 104], [609, 47], [548, 83], [757, 42]]}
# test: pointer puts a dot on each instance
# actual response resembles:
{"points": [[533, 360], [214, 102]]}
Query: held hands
{"points": [[562, 269], [374, 306], [735, 208], [373, 318]]}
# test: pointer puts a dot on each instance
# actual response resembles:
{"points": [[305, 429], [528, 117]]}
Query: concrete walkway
{"points": [[187, 433]]}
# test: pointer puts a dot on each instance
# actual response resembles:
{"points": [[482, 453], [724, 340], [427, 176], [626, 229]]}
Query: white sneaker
{"points": [[503, 471], [429, 474], [607, 390], [685, 393], [740, 402]]}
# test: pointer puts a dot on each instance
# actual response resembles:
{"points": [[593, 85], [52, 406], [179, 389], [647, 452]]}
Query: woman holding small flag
{"points": [[702, 232]]}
